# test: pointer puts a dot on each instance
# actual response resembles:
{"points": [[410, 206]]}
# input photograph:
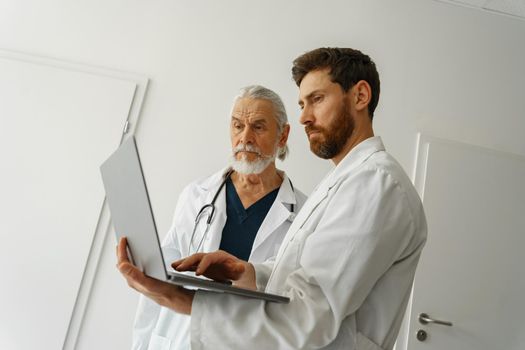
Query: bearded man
{"points": [[251, 205]]}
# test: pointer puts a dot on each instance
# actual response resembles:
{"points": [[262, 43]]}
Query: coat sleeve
{"points": [[145, 321], [262, 273], [345, 247], [148, 311]]}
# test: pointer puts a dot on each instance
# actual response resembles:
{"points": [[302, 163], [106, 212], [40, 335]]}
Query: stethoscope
{"points": [[210, 210]]}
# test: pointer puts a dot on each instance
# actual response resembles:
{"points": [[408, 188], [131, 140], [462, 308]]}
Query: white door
{"points": [[472, 270], [58, 122]]}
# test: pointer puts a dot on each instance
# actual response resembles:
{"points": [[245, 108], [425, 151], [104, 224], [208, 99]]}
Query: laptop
{"points": [[132, 216]]}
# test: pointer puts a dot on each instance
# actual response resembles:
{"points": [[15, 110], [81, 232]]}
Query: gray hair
{"points": [[259, 92]]}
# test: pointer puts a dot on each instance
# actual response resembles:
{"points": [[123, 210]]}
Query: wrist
{"points": [[247, 279], [182, 301]]}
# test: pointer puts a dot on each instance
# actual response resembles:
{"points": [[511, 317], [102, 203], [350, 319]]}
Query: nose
{"points": [[247, 135], [306, 117]]}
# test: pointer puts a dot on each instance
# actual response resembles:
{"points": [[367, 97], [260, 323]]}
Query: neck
{"points": [[362, 131], [269, 179]]}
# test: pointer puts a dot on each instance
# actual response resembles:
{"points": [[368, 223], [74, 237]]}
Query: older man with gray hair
{"points": [[244, 209]]}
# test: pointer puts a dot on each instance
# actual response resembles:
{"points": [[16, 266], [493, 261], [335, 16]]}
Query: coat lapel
{"points": [[209, 189], [311, 203], [279, 212], [213, 239]]}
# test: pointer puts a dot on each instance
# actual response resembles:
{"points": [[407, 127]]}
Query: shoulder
{"points": [[387, 169], [383, 176], [377, 197], [378, 179], [196, 193], [204, 184], [378, 166]]}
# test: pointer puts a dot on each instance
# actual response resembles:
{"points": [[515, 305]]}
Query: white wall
{"points": [[448, 71]]}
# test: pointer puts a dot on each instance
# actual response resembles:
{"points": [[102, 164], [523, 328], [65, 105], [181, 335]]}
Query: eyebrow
{"points": [[259, 120]]}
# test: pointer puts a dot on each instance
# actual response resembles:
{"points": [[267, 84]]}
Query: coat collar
{"points": [[279, 212], [212, 183], [357, 155], [352, 160]]}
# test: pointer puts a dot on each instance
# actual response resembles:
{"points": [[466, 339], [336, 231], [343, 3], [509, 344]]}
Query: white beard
{"points": [[246, 167]]}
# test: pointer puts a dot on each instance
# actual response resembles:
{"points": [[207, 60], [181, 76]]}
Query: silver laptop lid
{"points": [[130, 208]]}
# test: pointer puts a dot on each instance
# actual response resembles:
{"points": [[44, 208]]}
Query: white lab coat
{"points": [[347, 264], [158, 328]]}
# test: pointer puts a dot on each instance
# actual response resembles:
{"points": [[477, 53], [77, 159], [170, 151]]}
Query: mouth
{"points": [[311, 133], [251, 152], [249, 156], [310, 129]]}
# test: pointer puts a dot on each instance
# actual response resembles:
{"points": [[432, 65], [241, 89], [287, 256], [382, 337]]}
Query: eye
{"points": [[237, 126], [258, 128], [317, 98]]}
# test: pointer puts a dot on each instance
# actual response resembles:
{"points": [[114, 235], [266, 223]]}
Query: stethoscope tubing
{"points": [[211, 213]]}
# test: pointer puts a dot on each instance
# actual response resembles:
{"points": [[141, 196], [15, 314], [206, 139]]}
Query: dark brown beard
{"points": [[336, 135]]}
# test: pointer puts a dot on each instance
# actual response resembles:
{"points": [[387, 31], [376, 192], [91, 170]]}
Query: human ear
{"points": [[361, 95], [284, 135]]}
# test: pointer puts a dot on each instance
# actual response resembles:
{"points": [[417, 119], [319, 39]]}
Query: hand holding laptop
{"points": [[165, 294], [218, 265]]}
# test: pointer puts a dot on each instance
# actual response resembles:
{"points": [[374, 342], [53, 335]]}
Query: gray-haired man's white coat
{"points": [[158, 328]]}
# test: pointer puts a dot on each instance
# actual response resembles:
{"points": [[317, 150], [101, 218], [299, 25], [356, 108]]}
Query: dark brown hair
{"points": [[347, 67]]}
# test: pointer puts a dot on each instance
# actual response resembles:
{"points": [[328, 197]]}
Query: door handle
{"points": [[425, 319]]}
